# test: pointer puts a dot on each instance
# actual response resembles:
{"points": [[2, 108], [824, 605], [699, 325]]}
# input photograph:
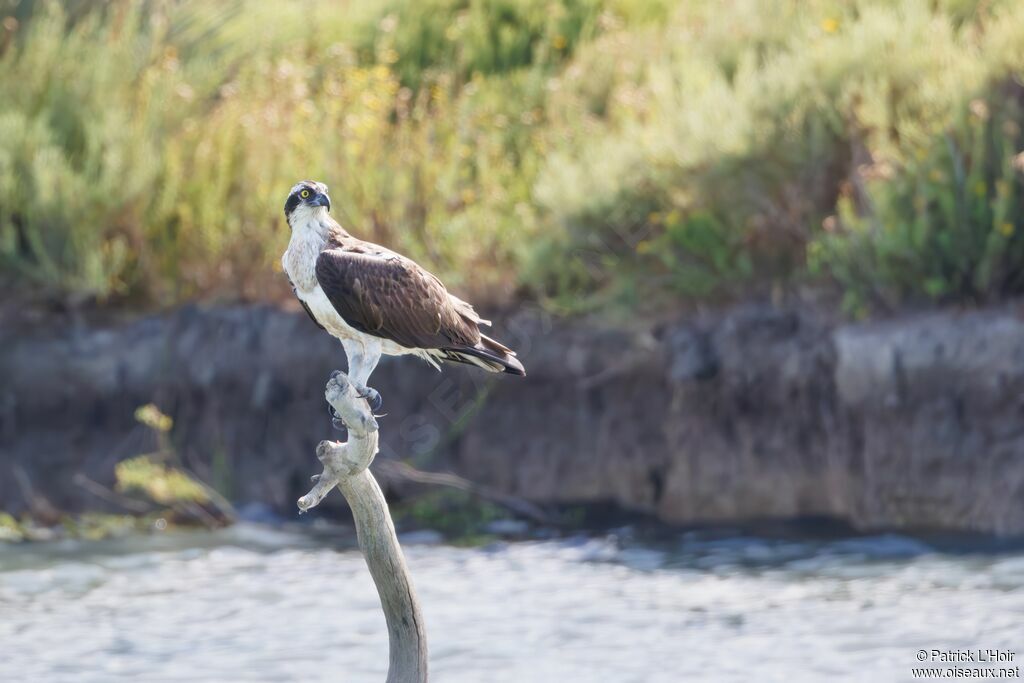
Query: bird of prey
{"points": [[376, 301]]}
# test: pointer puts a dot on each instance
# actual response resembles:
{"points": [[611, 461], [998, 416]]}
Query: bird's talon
{"points": [[372, 396]]}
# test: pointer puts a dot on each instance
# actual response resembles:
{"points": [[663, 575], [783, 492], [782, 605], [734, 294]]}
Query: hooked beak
{"points": [[321, 200]]}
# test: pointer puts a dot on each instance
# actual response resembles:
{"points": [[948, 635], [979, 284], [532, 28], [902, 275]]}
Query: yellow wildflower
{"points": [[152, 417]]}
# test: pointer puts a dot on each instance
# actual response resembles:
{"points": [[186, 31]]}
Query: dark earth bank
{"points": [[753, 413]]}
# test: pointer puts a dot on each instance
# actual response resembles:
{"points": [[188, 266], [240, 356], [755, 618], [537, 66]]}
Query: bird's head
{"points": [[306, 197]]}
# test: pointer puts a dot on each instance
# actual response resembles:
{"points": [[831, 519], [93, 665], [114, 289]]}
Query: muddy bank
{"points": [[915, 423]]}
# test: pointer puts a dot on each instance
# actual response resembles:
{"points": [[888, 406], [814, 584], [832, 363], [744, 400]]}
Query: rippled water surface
{"points": [[250, 604]]}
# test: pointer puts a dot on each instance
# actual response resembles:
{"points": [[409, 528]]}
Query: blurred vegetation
{"points": [[460, 516], [90, 526], [152, 492], [157, 482], [587, 153]]}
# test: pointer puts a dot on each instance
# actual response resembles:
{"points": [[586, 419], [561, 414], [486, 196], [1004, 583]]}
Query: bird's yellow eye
{"points": [[304, 194]]}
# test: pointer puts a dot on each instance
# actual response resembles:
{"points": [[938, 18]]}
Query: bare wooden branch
{"points": [[346, 466], [111, 496], [392, 470]]}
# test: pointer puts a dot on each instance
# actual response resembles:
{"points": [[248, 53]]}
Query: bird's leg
{"points": [[367, 362], [362, 359]]}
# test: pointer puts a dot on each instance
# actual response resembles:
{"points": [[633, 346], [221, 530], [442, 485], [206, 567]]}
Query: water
{"points": [[250, 604]]}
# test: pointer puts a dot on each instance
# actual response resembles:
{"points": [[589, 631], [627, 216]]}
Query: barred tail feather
{"points": [[489, 355]]}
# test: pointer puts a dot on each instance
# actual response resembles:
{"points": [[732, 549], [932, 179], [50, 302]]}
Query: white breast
{"points": [[325, 314]]}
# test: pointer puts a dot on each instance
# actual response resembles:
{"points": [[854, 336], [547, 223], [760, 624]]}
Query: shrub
{"points": [[604, 152], [945, 224], [467, 37], [724, 152], [146, 154]]}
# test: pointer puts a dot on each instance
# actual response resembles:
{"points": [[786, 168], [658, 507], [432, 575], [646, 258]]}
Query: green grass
{"points": [[591, 154]]}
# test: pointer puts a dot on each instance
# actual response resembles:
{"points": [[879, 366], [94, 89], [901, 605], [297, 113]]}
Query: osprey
{"points": [[376, 301]]}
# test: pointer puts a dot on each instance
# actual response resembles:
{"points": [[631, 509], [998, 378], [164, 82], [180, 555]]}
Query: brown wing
{"points": [[389, 296]]}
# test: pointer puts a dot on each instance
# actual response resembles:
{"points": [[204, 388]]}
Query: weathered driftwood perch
{"points": [[346, 465]]}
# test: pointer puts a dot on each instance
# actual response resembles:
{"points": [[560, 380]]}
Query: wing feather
{"points": [[392, 297]]}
